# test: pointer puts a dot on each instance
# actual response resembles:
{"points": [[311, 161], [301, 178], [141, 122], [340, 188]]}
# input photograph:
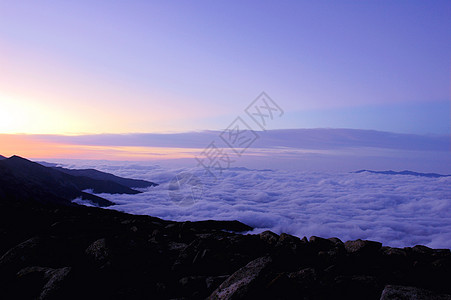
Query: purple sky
{"points": [[146, 66]]}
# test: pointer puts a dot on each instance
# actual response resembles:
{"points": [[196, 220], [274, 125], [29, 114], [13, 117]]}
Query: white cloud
{"points": [[394, 209]]}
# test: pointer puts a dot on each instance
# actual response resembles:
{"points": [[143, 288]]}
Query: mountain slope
{"points": [[26, 180], [31, 170], [98, 175]]}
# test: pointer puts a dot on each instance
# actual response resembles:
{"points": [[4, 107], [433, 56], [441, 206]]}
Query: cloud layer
{"points": [[394, 209]]}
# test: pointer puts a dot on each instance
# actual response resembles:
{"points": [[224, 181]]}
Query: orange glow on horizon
{"points": [[29, 146]]}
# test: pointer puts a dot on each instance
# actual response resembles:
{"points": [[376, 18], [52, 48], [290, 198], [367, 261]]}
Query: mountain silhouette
{"points": [[405, 172], [24, 180], [98, 175]]}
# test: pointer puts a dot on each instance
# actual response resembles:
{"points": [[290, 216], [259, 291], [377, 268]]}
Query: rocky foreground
{"points": [[63, 252]]}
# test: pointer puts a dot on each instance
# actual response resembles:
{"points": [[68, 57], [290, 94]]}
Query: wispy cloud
{"points": [[306, 149]]}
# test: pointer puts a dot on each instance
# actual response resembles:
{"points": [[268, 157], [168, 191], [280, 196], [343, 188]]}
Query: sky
{"points": [[86, 67]]}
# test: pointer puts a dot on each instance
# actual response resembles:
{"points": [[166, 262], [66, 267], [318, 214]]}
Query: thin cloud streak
{"points": [[306, 149]]}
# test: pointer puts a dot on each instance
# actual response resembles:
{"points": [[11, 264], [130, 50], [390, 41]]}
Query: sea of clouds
{"points": [[397, 210], [296, 181]]}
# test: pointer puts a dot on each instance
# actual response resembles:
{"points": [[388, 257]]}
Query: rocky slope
{"points": [[61, 252]]}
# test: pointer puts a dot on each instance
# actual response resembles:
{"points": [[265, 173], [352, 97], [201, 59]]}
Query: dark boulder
{"points": [[241, 284], [43, 282], [396, 292], [269, 237], [362, 247]]}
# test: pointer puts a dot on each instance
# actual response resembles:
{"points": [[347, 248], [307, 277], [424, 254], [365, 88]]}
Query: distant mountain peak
{"points": [[19, 158], [405, 172]]}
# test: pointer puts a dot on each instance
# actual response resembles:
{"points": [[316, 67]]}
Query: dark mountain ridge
{"points": [[99, 175], [405, 172], [23, 179]]}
